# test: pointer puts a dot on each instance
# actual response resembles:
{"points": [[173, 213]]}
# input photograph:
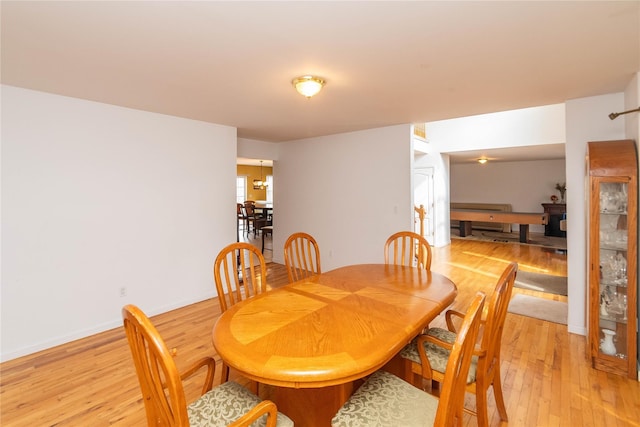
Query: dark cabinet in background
{"points": [[556, 213]]}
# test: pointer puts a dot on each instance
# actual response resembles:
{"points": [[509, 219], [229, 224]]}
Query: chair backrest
{"points": [[408, 248], [249, 208], [422, 212], [240, 210], [162, 389], [301, 256], [451, 403], [239, 272], [496, 312]]}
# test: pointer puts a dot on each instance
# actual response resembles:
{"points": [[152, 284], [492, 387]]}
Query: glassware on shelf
{"points": [[620, 266], [624, 199], [613, 304], [613, 233], [615, 307], [603, 305], [613, 198], [613, 268]]}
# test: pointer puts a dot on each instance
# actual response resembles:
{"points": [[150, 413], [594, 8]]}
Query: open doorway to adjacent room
{"points": [[254, 183]]}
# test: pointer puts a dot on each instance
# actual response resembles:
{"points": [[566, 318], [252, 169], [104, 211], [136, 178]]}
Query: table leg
{"points": [[524, 233], [465, 228]]}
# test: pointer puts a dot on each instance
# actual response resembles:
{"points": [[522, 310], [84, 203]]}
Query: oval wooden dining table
{"points": [[313, 338]]}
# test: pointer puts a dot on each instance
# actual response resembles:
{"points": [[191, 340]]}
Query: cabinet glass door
{"points": [[613, 240]]}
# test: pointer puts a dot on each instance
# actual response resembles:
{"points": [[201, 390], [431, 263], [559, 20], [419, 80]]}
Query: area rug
{"points": [[541, 282], [539, 308], [536, 239]]}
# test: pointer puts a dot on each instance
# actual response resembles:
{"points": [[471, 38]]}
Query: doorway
{"points": [[423, 195]]}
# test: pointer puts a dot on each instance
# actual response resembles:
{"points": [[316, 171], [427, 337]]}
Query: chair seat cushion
{"points": [[385, 400], [438, 356], [225, 404]]}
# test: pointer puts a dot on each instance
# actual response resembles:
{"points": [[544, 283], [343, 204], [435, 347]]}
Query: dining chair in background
{"points": [[386, 400], [408, 248], [267, 229], [239, 272], [163, 391], [241, 218], [254, 218], [428, 353], [301, 256], [249, 213]]}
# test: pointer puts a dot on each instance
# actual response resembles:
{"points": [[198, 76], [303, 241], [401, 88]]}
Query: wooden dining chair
{"points": [[249, 213], [228, 404], [239, 272], [241, 217], [428, 354], [386, 400], [301, 256], [408, 248], [254, 218], [267, 229]]}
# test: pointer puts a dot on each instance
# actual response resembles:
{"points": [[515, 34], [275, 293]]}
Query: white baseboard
{"points": [[59, 340], [84, 333]]}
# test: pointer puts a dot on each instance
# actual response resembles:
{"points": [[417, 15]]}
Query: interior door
{"points": [[423, 195]]}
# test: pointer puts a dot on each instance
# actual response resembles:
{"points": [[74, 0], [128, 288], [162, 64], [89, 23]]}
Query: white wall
{"points": [[525, 185], [516, 128], [96, 198], [350, 191], [254, 149], [587, 120]]}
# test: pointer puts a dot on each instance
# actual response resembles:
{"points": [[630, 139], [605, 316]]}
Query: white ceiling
{"points": [[385, 63]]}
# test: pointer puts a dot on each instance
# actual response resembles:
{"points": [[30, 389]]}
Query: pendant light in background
{"points": [[259, 184]]}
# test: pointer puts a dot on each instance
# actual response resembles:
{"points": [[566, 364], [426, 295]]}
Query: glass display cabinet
{"points": [[612, 251]]}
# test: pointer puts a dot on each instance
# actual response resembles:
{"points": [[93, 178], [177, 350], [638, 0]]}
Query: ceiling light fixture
{"points": [[614, 115], [483, 160], [259, 184], [308, 85]]}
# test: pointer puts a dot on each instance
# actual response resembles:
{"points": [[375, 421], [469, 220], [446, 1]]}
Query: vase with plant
{"points": [[562, 188]]}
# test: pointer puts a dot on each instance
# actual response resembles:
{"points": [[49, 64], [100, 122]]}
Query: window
{"points": [[270, 188], [241, 189]]}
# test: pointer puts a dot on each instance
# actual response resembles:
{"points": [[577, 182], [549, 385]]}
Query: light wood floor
{"points": [[547, 377]]}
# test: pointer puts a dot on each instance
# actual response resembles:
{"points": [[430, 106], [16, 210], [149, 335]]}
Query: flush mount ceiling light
{"points": [[308, 85], [483, 160]]}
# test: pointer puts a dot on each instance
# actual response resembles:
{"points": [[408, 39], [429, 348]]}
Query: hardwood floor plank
{"points": [[547, 377]]}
